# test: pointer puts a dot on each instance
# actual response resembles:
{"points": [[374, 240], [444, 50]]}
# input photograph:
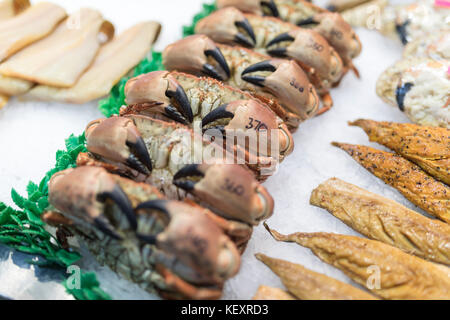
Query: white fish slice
{"points": [[61, 58], [114, 60], [33, 24]]}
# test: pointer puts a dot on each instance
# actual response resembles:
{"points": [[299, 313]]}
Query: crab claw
{"points": [[259, 7], [288, 83], [338, 33], [161, 90], [311, 50], [229, 190], [117, 139], [82, 194], [233, 27], [262, 119], [191, 245], [198, 54]]}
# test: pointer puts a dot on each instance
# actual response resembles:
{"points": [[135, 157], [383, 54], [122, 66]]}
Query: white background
{"points": [[31, 132]]}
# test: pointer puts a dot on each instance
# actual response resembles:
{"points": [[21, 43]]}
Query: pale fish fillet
{"points": [[385, 220], [269, 293], [306, 284], [385, 270], [10, 8], [114, 60], [13, 86], [3, 100], [61, 58], [31, 25]]}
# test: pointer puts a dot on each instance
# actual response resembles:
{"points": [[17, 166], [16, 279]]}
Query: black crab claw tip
{"points": [[331, 8], [160, 205], [181, 98], [256, 80], [118, 196], [188, 171], [106, 228], [218, 56], [216, 114], [210, 71], [306, 21], [272, 7], [260, 66], [172, 113], [185, 185], [280, 38], [244, 24], [401, 30], [242, 40], [140, 156], [400, 94], [150, 239]]}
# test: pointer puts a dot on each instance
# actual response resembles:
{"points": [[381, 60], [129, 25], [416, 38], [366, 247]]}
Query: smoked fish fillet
{"points": [[428, 147], [385, 220], [418, 187], [386, 271]]}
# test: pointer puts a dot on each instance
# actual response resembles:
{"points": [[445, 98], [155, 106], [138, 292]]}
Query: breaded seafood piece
{"points": [[385, 220], [435, 46], [421, 189], [309, 285], [428, 147], [386, 271]]}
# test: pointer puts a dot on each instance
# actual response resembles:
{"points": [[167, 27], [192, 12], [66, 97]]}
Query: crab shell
{"points": [[205, 97], [307, 47], [330, 25], [176, 232], [420, 88], [228, 189], [286, 83]]}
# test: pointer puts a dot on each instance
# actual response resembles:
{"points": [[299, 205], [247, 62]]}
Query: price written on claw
{"points": [[256, 124]]}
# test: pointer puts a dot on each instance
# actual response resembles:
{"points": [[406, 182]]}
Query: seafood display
{"points": [[165, 246], [428, 147], [418, 87], [435, 46], [281, 83], [402, 276], [421, 189], [385, 220], [309, 285]]}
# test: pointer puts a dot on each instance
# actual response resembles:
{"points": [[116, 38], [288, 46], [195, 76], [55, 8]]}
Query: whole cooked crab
{"points": [[330, 25], [281, 83], [178, 162], [215, 107], [167, 247], [420, 88], [277, 38]]}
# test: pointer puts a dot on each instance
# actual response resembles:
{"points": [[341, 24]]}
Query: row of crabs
{"points": [[141, 200]]}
